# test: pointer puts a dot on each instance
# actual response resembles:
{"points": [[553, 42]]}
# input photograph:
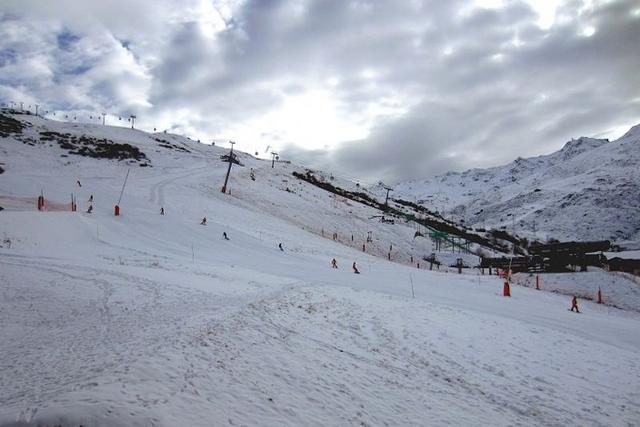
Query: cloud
{"points": [[488, 100], [371, 90]]}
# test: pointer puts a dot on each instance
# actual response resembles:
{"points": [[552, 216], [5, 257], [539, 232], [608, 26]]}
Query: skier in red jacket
{"points": [[574, 304]]}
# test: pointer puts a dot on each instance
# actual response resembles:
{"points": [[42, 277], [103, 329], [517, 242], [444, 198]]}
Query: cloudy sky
{"points": [[370, 90]]}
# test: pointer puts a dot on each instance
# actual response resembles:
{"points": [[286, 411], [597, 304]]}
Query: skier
{"points": [[574, 304], [90, 209], [91, 198], [78, 182], [204, 221], [224, 234], [161, 211], [280, 246], [334, 263], [355, 269]]}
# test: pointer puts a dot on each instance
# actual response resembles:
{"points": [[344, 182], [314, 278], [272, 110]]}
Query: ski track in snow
{"points": [[114, 331]]}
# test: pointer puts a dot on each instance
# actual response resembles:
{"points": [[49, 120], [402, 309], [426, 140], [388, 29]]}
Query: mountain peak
{"points": [[584, 142], [578, 146], [634, 132]]}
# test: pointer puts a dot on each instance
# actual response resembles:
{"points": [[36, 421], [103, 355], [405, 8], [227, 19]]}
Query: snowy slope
{"points": [[588, 190], [145, 319]]}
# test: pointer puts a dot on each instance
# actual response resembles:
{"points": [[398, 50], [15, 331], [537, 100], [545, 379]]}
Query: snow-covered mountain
{"points": [[588, 190], [150, 319]]}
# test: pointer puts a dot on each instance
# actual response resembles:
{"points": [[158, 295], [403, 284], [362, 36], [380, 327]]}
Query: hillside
{"points": [[588, 190], [155, 320]]}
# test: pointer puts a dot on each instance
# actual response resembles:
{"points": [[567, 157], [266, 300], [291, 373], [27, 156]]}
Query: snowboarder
{"points": [[280, 246], [224, 234], [204, 221], [91, 198], [161, 211], [574, 304], [334, 263], [90, 209], [355, 269]]}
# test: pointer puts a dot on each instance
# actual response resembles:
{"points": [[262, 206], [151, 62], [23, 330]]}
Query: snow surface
{"points": [[618, 289], [150, 320], [588, 190]]}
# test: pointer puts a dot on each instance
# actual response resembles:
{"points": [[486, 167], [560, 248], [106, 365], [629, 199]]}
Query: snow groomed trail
{"points": [[150, 320]]}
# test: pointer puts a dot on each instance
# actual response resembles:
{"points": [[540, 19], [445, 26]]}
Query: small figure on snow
{"points": [[90, 209], [574, 304], [224, 235], [253, 175], [355, 268], [161, 211], [334, 263], [78, 182], [204, 221], [280, 246], [91, 198]]}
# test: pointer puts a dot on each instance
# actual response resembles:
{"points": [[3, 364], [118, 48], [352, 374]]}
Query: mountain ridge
{"points": [[586, 190]]}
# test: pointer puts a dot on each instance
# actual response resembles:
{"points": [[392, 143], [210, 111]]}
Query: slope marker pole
{"points": [[411, 279], [116, 209]]}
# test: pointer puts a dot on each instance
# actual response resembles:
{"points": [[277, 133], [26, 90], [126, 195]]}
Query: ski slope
{"points": [[150, 320]]}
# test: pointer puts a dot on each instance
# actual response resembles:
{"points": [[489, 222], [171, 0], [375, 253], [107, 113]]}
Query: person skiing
{"points": [[574, 304], [224, 234], [355, 269], [90, 209], [204, 221], [78, 182], [91, 198], [280, 246], [334, 263], [161, 211]]}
